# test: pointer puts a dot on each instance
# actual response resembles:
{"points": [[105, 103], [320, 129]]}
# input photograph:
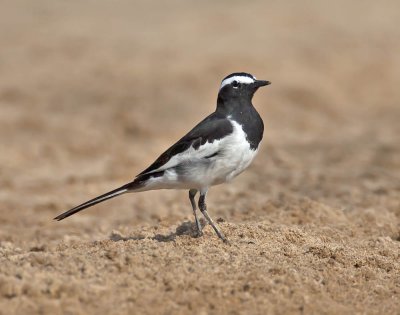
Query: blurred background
{"points": [[91, 92]]}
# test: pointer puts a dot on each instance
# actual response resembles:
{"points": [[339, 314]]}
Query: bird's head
{"points": [[240, 85]]}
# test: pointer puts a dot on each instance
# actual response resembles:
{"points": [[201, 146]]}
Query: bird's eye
{"points": [[235, 84]]}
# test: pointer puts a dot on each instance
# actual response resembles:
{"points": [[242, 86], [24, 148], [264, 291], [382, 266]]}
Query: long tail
{"points": [[139, 184], [92, 202]]}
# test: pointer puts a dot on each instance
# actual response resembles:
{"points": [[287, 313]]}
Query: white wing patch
{"points": [[190, 155], [238, 78]]}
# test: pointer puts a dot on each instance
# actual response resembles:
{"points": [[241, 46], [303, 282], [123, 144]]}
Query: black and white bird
{"points": [[215, 151]]}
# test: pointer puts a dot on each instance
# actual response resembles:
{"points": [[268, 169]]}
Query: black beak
{"points": [[260, 83]]}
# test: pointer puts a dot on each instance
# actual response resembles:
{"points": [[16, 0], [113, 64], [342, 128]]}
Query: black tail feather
{"points": [[92, 202], [137, 184]]}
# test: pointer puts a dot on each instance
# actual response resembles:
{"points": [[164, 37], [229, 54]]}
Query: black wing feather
{"points": [[212, 128]]}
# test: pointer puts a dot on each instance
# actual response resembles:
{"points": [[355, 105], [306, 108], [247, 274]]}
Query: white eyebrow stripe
{"points": [[240, 79]]}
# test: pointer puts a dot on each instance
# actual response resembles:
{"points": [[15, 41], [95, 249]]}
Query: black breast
{"points": [[251, 123]]}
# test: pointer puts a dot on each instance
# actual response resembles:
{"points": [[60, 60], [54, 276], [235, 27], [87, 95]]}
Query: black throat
{"points": [[241, 110]]}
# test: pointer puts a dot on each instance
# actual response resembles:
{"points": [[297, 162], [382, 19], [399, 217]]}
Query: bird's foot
{"points": [[221, 236], [199, 227], [198, 234]]}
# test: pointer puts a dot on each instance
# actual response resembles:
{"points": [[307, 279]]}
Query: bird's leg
{"points": [[192, 194], [203, 209]]}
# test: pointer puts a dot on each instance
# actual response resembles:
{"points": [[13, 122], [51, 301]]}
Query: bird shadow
{"points": [[185, 228]]}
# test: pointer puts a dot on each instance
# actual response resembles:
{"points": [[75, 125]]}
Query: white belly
{"points": [[234, 158]]}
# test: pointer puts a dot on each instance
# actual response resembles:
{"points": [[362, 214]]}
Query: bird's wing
{"points": [[201, 142]]}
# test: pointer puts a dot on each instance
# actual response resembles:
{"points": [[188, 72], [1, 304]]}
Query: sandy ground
{"points": [[92, 91]]}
